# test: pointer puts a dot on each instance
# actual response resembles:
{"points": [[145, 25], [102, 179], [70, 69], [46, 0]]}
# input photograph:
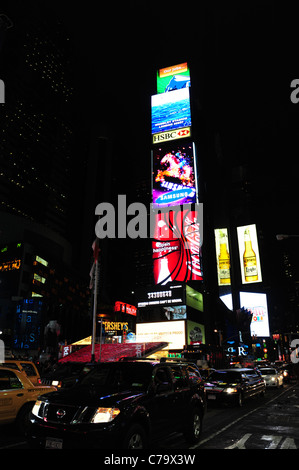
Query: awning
{"points": [[114, 351]]}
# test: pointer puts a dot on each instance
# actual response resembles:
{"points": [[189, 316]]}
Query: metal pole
{"points": [[94, 319], [100, 357]]}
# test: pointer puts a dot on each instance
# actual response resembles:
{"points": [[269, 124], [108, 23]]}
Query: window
{"points": [[180, 377], [29, 369], [194, 374], [9, 381]]}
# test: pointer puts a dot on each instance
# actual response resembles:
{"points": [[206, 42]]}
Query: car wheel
{"points": [[193, 432], [136, 438]]}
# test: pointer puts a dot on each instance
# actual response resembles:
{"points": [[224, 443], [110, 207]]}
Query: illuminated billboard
{"points": [[195, 333], [249, 254], [257, 304], [172, 332], [176, 245], [222, 256], [171, 111], [174, 179], [173, 78]]}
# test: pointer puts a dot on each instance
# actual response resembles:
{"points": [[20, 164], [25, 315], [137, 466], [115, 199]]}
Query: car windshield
{"points": [[225, 376], [119, 376], [268, 371]]}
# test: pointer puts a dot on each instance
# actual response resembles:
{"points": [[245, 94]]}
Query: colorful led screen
{"points": [[176, 246], [174, 174], [171, 111], [173, 78], [257, 304]]}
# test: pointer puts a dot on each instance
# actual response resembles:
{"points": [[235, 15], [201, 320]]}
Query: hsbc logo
{"points": [[183, 133], [171, 135]]}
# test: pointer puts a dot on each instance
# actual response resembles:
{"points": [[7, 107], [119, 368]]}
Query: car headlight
{"points": [[231, 390], [36, 408], [273, 378], [105, 415]]}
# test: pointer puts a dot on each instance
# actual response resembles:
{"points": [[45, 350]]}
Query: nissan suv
{"points": [[126, 405]]}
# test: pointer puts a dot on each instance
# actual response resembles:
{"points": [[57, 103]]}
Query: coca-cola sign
{"points": [[176, 246]]}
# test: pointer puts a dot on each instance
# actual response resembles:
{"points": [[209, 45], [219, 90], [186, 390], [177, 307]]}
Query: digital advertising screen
{"points": [[195, 333], [249, 254], [173, 78], [171, 110], [222, 256], [174, 178], [172, 332], [176, 246], [257, 304]]}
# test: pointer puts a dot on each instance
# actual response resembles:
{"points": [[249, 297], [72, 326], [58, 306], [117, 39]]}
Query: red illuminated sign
{"points": [[177, 247], [125, 308]]}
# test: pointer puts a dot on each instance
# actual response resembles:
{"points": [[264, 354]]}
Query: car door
{"points": [[11, 395], [182, 394], [161, 403], [255, 382]]}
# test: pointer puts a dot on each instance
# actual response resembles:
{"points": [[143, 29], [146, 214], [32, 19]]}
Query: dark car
{"points": [[122, 405], [234, 385], [289, 372], [66, 374]]}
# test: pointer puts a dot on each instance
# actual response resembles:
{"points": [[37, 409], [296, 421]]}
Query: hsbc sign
{"points": [[171, 135]]}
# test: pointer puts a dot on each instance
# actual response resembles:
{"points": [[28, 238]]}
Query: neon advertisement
{"points": [[174, 175]]}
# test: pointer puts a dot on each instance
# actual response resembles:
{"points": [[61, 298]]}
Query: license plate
{"points": [[53, 443], [211, 397]]}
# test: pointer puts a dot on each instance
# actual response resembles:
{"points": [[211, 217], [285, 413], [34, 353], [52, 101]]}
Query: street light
{"points": [[284, 236]]}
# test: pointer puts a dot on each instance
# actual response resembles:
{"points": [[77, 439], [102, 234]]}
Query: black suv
{"points": [[123, 405]]}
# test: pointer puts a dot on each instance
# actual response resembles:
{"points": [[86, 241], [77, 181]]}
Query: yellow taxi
{"points": [[17, 397], [28, 367]]}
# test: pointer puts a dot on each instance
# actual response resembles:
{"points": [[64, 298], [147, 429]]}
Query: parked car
{"points": [[17, 397], [272, 376], [234, 385], [124, 404], [27, 367], [66, 374]]}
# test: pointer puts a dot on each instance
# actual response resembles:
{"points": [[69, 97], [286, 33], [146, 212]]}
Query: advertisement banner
{"points": [[172, 332], [176, 246], [162, 137], [249, 254], [158, 295], [257, 304], [222, 256], [194, 298], [195, 333], [173, 78], [171, 111], [174, 175]]}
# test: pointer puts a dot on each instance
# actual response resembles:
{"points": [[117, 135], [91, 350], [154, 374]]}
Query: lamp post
{"points": [[282, 236]]}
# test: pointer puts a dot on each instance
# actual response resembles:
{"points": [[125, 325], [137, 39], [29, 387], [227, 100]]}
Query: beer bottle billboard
{"points": [[223, 257], [249, 254]]}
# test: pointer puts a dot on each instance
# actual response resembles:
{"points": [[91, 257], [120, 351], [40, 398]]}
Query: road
{"points": [[271, 422]]}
